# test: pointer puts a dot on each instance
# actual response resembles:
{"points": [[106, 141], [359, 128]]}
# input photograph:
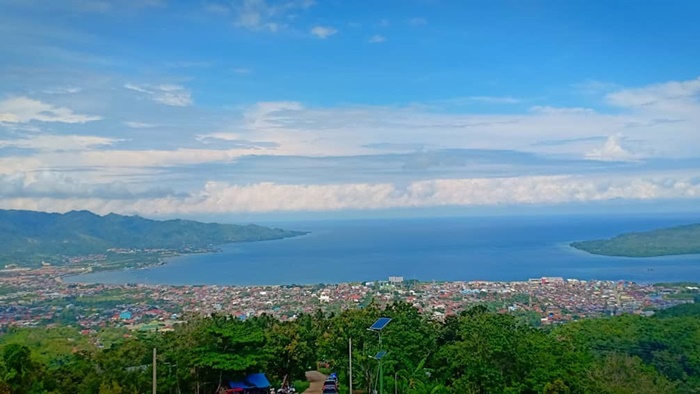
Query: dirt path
{"points": [[316, 378]]}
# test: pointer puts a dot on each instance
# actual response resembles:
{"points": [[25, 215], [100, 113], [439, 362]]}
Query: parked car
{"points": [[330, 386]]}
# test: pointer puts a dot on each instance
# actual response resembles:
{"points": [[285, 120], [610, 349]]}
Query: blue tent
{"points": [[258, 380], [238, 385], [252, 381]]}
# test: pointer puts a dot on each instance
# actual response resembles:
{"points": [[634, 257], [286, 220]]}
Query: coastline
{"points": [[683, 240], [163, 261], [452, 249], [628, 255]]}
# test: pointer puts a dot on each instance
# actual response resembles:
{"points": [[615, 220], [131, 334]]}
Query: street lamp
{"points": [[377, 327]]}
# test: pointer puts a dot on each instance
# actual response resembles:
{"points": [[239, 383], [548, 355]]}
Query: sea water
{"points": [[450, 249]]}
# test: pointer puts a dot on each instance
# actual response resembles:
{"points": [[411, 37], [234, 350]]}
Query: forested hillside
{"points": [[661, 242], [30, 237], [475, 352]]}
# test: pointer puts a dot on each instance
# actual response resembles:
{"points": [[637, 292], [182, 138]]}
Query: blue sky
{"points": [[164, 107]]}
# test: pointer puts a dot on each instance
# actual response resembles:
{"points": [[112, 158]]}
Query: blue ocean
{"points": [[451, 249]]}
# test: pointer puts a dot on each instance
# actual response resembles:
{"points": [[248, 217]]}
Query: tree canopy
{"points": [[475, 352]]}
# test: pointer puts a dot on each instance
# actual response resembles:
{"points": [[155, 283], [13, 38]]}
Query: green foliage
{"points": [[31, 237], [670, 345], [621, 374], [475, 352], [663, 242], [682, 310]]}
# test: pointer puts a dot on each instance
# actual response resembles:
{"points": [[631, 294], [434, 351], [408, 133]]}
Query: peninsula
{"points": [[662, 242], [29, 238]]}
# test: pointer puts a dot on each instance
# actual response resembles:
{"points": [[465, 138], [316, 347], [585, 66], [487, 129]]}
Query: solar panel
{"points": [[379, 355], [380, 324]]}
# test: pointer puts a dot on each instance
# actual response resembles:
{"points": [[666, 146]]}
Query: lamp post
{"points": [[155, 380], [350, 362], [377, 327]]}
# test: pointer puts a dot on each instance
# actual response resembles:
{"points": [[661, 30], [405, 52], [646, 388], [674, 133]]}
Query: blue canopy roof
{"points": [[238, 385], [252, 381], [258, 380]]}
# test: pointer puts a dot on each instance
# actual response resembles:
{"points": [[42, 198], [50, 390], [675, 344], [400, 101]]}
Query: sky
{"points": [[206, 108]]}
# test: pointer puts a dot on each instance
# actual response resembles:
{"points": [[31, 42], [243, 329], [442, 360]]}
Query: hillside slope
{"points": [[28, 236], [662, 242]]}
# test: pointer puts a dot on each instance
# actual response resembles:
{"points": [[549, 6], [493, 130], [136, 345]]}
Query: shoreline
{"points": [[629, 256], [353, 253], [164, 261], [535, 281]]}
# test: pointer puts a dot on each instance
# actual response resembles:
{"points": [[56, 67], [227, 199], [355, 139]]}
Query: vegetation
{"points": [[475, 352], [28, 237], [663, 242]]}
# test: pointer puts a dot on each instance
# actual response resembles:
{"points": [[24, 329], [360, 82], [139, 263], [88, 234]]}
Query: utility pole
{"points": [[381, 370], [350, 355], [154, 372]]}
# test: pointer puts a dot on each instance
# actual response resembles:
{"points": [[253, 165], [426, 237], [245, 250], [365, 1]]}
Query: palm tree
{"points": [[417, 380]]}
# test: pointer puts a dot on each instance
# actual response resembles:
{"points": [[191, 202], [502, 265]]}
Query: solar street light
{"points": [[377, 327], [380, 355]]}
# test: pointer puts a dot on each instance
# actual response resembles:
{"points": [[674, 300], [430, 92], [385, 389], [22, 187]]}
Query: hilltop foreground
{"points": [[28, 237], [663, 242], [477, 351]]}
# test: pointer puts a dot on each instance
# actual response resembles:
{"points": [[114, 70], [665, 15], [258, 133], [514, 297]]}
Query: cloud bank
{"points": [[218, 197], [283, 156]]}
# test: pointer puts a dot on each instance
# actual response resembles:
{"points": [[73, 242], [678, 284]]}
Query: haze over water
{"points": [[495, 249]]}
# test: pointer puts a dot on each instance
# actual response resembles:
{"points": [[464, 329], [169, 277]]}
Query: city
{"points": [[39, 297]]}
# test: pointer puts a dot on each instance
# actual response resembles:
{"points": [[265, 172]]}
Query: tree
{"points": [[556, 387], [21, 373], [231, 347], [621, 374]]}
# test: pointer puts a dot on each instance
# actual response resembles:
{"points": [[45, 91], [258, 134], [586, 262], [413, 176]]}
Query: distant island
{"points": [[663, 242], [29, 238]]}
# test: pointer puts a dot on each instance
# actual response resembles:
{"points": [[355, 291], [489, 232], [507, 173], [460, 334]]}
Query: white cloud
{"points": [[348, 130], [173, 95], [376, 39], [670, 98], [46, 184], [140, 125], [561, 110], [218, 197], [344, 132], [47, 142], [651, 94], [63, 90], [71, 152], [485, 99], [92, 6], [323, 32], [23, 110], [594, 87], [417, 22], [261, 15], [612, 150]]}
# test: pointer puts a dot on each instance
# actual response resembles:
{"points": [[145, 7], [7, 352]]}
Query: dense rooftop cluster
{"points": [[39, 297]]}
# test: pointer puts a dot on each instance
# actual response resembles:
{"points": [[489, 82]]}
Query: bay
{"points": [[450, 249]]}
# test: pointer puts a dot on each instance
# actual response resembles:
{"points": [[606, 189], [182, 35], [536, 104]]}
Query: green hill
{"points": [[28, 237], [662, 242]]}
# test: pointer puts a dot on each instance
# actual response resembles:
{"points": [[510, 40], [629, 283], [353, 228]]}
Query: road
{"points": [[316, 378]]}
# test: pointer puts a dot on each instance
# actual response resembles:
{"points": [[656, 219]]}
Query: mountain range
{"points": [[28, 237]]}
